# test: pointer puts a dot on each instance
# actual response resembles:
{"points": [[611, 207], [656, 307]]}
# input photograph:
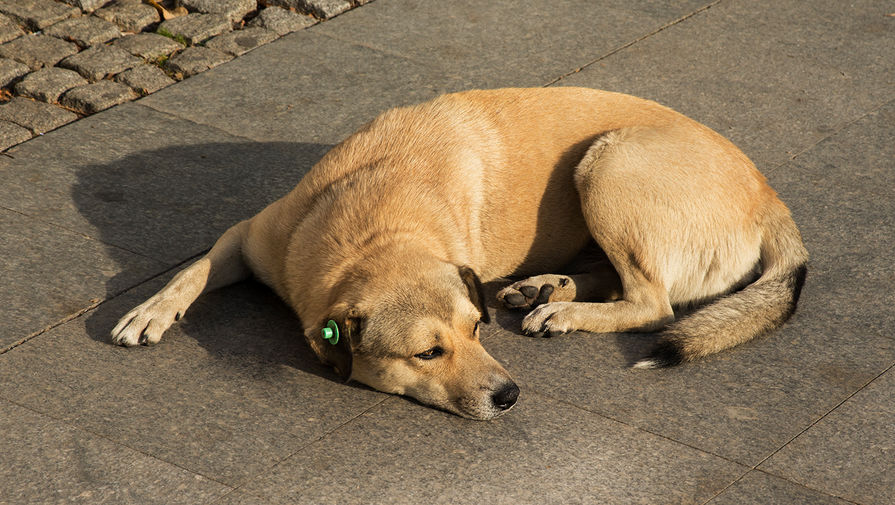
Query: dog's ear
{"points": [[337, 353], [476, 293]]}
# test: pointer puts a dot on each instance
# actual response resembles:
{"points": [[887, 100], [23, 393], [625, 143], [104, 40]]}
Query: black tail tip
{"points": [[665, 354]]}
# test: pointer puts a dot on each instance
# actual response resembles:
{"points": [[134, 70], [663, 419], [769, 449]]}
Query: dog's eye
{"points": [[430, 353]]}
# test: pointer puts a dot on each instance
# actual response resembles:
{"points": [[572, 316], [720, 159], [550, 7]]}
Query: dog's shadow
{"points": [[158, 210]]}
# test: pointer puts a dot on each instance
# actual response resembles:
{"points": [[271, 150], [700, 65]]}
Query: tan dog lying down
{"points": [[386, 238]]}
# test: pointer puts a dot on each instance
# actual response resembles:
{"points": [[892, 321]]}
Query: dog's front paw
{"points": [[538, 290], [549, 320], [146, 323]]}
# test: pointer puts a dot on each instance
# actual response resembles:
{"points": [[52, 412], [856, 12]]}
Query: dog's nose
{"points": [[506, 396]]}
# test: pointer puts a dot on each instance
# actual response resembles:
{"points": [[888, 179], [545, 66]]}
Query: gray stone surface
{"points": [[37, 50], [849, 453], [240, 42], [38, 117], [86, 5], [233, 394], [572, 456], [760, 488], [195, 27], [9, 29], [281, 20], [97, 96], [225, 397], [49, 461], [796, 86], [321, 8], [145, 79], [304, 87], [97, 62], [194, 60], [37, 14], [12, 134], [233, 9], [50, 273], [47, 84], [130, 15], [10, 70], [85, 30], [534, 45], [118, 178], [847, 220], [741, 405], [148, 45]]}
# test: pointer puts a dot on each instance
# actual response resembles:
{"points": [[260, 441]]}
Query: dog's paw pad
{"points": [[536, 291]]}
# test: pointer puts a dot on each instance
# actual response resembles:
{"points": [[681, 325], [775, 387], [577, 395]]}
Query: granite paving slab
{"points": [[282, 20], [842, 194], [306, 94], [10, 70], [37, 50], [542, 451], [38, 117], [9, 29], [760, 488], [850, 452], [148, 45], [47, 461], [231, 390], [194, 60], [529, 46], [195, 28], [233, 9], [85, 30], [37, 14], [97, 96], [145, 79], [97, 62], [47, 84], [130, 15], [148, 182], [11, 134], [807, 71], [50, 273]]}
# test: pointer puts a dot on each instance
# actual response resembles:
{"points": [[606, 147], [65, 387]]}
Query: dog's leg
{"points": [[645, 307], [222, 265], [625, 218], [601, 284]]}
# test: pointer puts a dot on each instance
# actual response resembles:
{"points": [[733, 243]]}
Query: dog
{"points": [[381, 249]]}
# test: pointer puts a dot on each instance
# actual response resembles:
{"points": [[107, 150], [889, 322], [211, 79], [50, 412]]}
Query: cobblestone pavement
{"points": [[63, 60]]}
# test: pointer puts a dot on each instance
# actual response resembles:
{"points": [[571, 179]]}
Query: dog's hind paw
{"points": [[538, 290]]}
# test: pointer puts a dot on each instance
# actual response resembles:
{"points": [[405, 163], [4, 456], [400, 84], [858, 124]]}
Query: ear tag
{"points": [[331, 332]]}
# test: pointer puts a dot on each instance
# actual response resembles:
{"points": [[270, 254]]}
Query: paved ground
{"points": [[61, 60], [232, 408]]}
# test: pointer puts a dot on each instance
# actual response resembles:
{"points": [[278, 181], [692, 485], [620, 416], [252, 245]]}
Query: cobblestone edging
{"points": [[64, 59]]}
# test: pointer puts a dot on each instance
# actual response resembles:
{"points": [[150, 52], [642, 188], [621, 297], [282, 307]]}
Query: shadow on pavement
{"points": [[171, 205]]}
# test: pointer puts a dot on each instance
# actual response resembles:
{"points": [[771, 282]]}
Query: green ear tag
{"points": [[331, 332]]}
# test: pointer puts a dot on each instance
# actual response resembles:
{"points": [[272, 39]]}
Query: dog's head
{"points": [[417, 334]]}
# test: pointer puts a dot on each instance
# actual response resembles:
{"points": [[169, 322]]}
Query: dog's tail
{"points": [[743, 315]]}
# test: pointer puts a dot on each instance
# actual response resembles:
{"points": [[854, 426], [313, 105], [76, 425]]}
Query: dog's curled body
{"points": [[385, 233]]}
